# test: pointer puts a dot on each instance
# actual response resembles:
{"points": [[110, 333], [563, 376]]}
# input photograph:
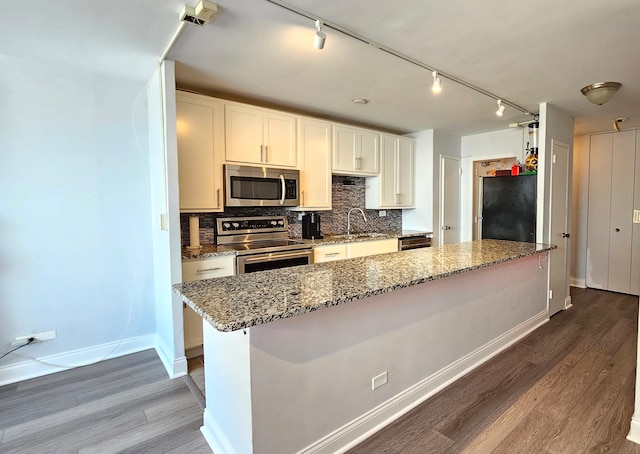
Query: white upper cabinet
{"points": [[394, 187], [356, 151], [200, 129], [314, 157], [260, 136]]}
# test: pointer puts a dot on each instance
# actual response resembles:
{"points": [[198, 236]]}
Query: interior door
{"points": [[559, 298], [449, 200]]}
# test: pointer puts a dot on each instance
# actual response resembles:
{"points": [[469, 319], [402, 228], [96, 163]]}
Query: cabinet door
{"points": [[388, 171], [314, 142], [195, 270], [329, 253], [405, 170], [279, 139], [243, 126], [344, 149], [200, 131], [366, 248], [368, 153]]}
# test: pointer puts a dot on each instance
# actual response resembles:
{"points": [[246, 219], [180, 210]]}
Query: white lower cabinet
{"points": [[364, 248], [197, 270], [343, 251], [329, 253]]}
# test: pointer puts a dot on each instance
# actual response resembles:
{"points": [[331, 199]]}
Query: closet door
{"points": [[611, 190], [620, 228]]}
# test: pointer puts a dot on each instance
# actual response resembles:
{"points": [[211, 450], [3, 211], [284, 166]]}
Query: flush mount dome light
{"points": [[601, 92]]}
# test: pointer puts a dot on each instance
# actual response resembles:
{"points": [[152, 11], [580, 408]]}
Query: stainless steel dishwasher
{"points": [[413, 242]]}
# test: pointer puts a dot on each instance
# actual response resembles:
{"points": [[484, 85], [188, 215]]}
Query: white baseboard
{"points": [[175, 366], [634, 430], [367, 424], [215, 437], [29, 368], [577, 282]]}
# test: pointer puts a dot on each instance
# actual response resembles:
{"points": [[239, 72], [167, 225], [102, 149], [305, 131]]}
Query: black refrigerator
{"points": [[509, 208]]}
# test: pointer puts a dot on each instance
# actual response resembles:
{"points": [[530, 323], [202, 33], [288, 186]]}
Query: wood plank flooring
{"points": [[568, 387], [124, 405]]}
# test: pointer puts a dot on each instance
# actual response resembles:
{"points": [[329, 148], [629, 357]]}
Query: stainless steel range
{"points": [[262, 243]]}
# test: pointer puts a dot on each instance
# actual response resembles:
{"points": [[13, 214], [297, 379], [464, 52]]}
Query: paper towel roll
{"points": [[194, 232]]}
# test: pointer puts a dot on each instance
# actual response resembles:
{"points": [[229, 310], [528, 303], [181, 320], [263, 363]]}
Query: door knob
{"points": [[617, 230], [566, 235]]}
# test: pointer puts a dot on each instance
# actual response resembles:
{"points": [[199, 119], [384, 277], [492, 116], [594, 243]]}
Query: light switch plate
{"points": [[636, 216]]}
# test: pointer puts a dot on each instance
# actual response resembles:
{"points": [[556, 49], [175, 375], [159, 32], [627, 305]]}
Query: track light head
{"points": [[320, 37], [500, 110], [437, 83]]}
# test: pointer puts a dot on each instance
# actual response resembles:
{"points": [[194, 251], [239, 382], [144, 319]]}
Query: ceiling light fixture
{"points": [[437, 83], [500, 110], [601, 92], [320, 37], [395, 53]]}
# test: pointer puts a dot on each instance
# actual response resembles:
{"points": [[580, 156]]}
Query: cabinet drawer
{"points": [[329, 253], [364, 248], [196, 270]]}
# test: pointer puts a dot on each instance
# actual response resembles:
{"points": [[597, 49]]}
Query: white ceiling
{"points": [[254, 50]]}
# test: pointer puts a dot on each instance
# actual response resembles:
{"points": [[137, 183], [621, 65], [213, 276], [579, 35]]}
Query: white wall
{"points": [[163, 155], [579, 206], [75, 222], [421, 217], [489, 145]]}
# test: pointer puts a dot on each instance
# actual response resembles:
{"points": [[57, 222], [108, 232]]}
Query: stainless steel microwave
{"points": [[246, 186]]}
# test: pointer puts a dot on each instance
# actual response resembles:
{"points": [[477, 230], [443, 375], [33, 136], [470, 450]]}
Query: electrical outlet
{"points": [[382, 213], [39, 337], [379, 380]]}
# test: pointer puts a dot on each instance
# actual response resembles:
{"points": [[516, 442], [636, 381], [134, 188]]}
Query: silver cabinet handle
{"points": [[291, 255], [261, 153], [358, 163], [217, 268], [332, 254], [302, 202], [218, 198], [283, 189], [266, 153]]}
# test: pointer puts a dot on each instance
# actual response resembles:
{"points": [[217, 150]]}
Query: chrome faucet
{"points": [[349, 218]]}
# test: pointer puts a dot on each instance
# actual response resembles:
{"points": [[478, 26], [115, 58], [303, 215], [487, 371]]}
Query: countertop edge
{"points": [[299, 310]]}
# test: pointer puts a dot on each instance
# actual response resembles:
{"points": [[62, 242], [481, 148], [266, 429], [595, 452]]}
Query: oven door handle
{"points": [[273, 257], [283, 189]]}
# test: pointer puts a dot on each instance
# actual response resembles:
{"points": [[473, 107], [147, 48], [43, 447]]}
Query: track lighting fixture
{"points": [[500, 110], [320, 37], [437, 83]]}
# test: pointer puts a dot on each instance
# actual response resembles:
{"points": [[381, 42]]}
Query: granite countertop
{"points": [[212, 250], [237, 302], [365, 236], [206, 251]]}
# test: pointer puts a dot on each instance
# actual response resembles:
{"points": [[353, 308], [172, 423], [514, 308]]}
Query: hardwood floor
{"points": [[125, 405], [566, 388]]}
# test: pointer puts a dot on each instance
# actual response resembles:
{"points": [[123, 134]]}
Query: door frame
{"points": [[442, 194], [566, 301]]}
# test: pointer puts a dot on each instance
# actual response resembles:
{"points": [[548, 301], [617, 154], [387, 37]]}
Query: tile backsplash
{"points": [[347, 192]]}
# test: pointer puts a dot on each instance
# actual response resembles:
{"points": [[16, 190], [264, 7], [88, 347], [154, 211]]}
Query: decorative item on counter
{"points": [[194, 233], [515, 169]]}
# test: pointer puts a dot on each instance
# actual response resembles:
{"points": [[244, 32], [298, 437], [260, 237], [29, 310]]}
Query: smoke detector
{"points": [[200, 14]]}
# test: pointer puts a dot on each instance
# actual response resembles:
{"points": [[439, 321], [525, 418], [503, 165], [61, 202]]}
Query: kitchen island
{"points": [[292, 355]]}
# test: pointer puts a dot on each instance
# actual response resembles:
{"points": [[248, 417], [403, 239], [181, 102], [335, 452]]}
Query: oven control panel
{"points": [[258, 224]]}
